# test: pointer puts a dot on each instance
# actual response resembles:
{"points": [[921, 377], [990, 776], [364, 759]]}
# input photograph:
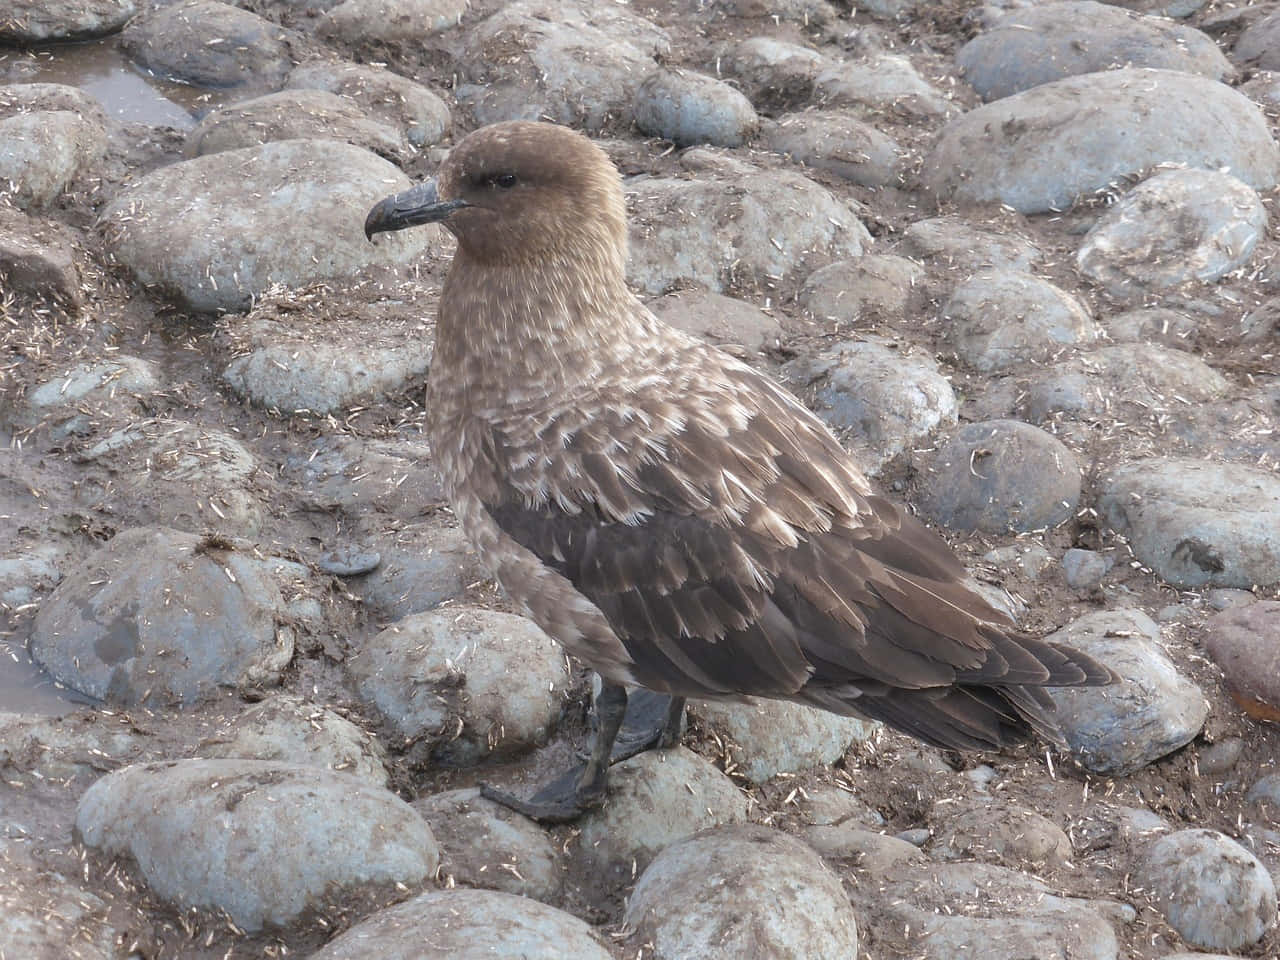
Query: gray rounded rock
{"points": [[44, 151], [423, 565], [485, 844], [1084, 569], [742, 891], [210, 44], [1000, 476], [1029, 47], [996, 831], [87, 386], [769, 737], [1259, 43], [267, 842], [774, 73], [881, 83], [839, 144], [47, 916], [215, 232], [954, 242], [655, 799], [719, 319], [1160, 325], [1149, 712], [1213, 891], [880, 399], [467, 925], [290, 729], [40, 21], [1039, 150], [1177, 227], [715, 232], [481, 682], [871, 288], [291, 115], [421, 116], [1244, 641], [390, 21], [1003, 317], [689, 108], [1264, 797], [1197, 523], [158, 616]]}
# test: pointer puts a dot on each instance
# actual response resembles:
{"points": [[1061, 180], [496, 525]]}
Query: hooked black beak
{"points": [[419, 204]]}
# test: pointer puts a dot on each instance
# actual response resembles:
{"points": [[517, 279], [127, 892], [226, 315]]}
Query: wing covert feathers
{"points": [[733, 548]]}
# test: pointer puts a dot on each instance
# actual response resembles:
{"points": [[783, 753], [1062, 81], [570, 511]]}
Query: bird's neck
{"points": [[523, 330]]}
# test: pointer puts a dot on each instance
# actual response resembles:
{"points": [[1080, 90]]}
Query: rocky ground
{"points": [[1016, 254]]}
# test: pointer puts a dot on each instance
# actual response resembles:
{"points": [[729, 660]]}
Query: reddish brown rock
{"points": [[1245, 642]]}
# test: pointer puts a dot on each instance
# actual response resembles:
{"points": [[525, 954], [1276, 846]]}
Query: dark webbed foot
{"points": [[624, 727], [652, 721]]}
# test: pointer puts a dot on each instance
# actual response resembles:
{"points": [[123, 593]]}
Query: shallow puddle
{"points": [[27, 689], [99, 68]]}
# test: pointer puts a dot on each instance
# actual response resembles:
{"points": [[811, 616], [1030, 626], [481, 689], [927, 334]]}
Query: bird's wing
{"points": [[733, 547]]}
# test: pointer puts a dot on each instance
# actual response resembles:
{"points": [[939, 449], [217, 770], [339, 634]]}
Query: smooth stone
{"points": [[207, 43], [38, 262], [837, 143], [161, 617], [525, 62], [655, 799], [1161, 325], [773, 736], [996, 831], [1244, 641], [72, 748], [1213, 891], [342, 472], [689, 108], [475, 682], [879, 398], [881, 83], [954, 242], [1014, 915], [47, 916], [1103, 825], [42, 21], [176, 474], [1224, 598], [1002, 318], [292, 730], [717, 232], [87, 386], [423, 565], [43, 152], [342, 358], [20, 98], [349, 563], [804, 13], [1197, 523], [484, 844], [740, 891], [1221, 757], [775, 74], [1259, 43], [874, 287], [1028, 558], [872, 852], [1101, 383], [1084, 569], [25, 575], [1264, 797], [828, 805], [718, 319], [1149, 712], [269, 843], [1177, 227], [468, 925], [390, 21], [292, 115], [1029, 47], [916, 836], [1001, 476], [1037, 151], [283, 213], [417, 112]]}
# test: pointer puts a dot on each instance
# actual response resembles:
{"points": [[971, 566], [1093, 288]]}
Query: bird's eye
{"points": [[504, 180]]}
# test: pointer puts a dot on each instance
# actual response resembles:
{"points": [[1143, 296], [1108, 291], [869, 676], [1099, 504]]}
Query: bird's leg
{"points": [[652, 720], [579, 789]]}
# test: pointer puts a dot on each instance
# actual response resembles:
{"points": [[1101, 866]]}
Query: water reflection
{"points": [[26, 689], [99, 68]]}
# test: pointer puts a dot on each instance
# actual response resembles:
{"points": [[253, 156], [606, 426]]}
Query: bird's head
{"points": [[518, 191]]}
